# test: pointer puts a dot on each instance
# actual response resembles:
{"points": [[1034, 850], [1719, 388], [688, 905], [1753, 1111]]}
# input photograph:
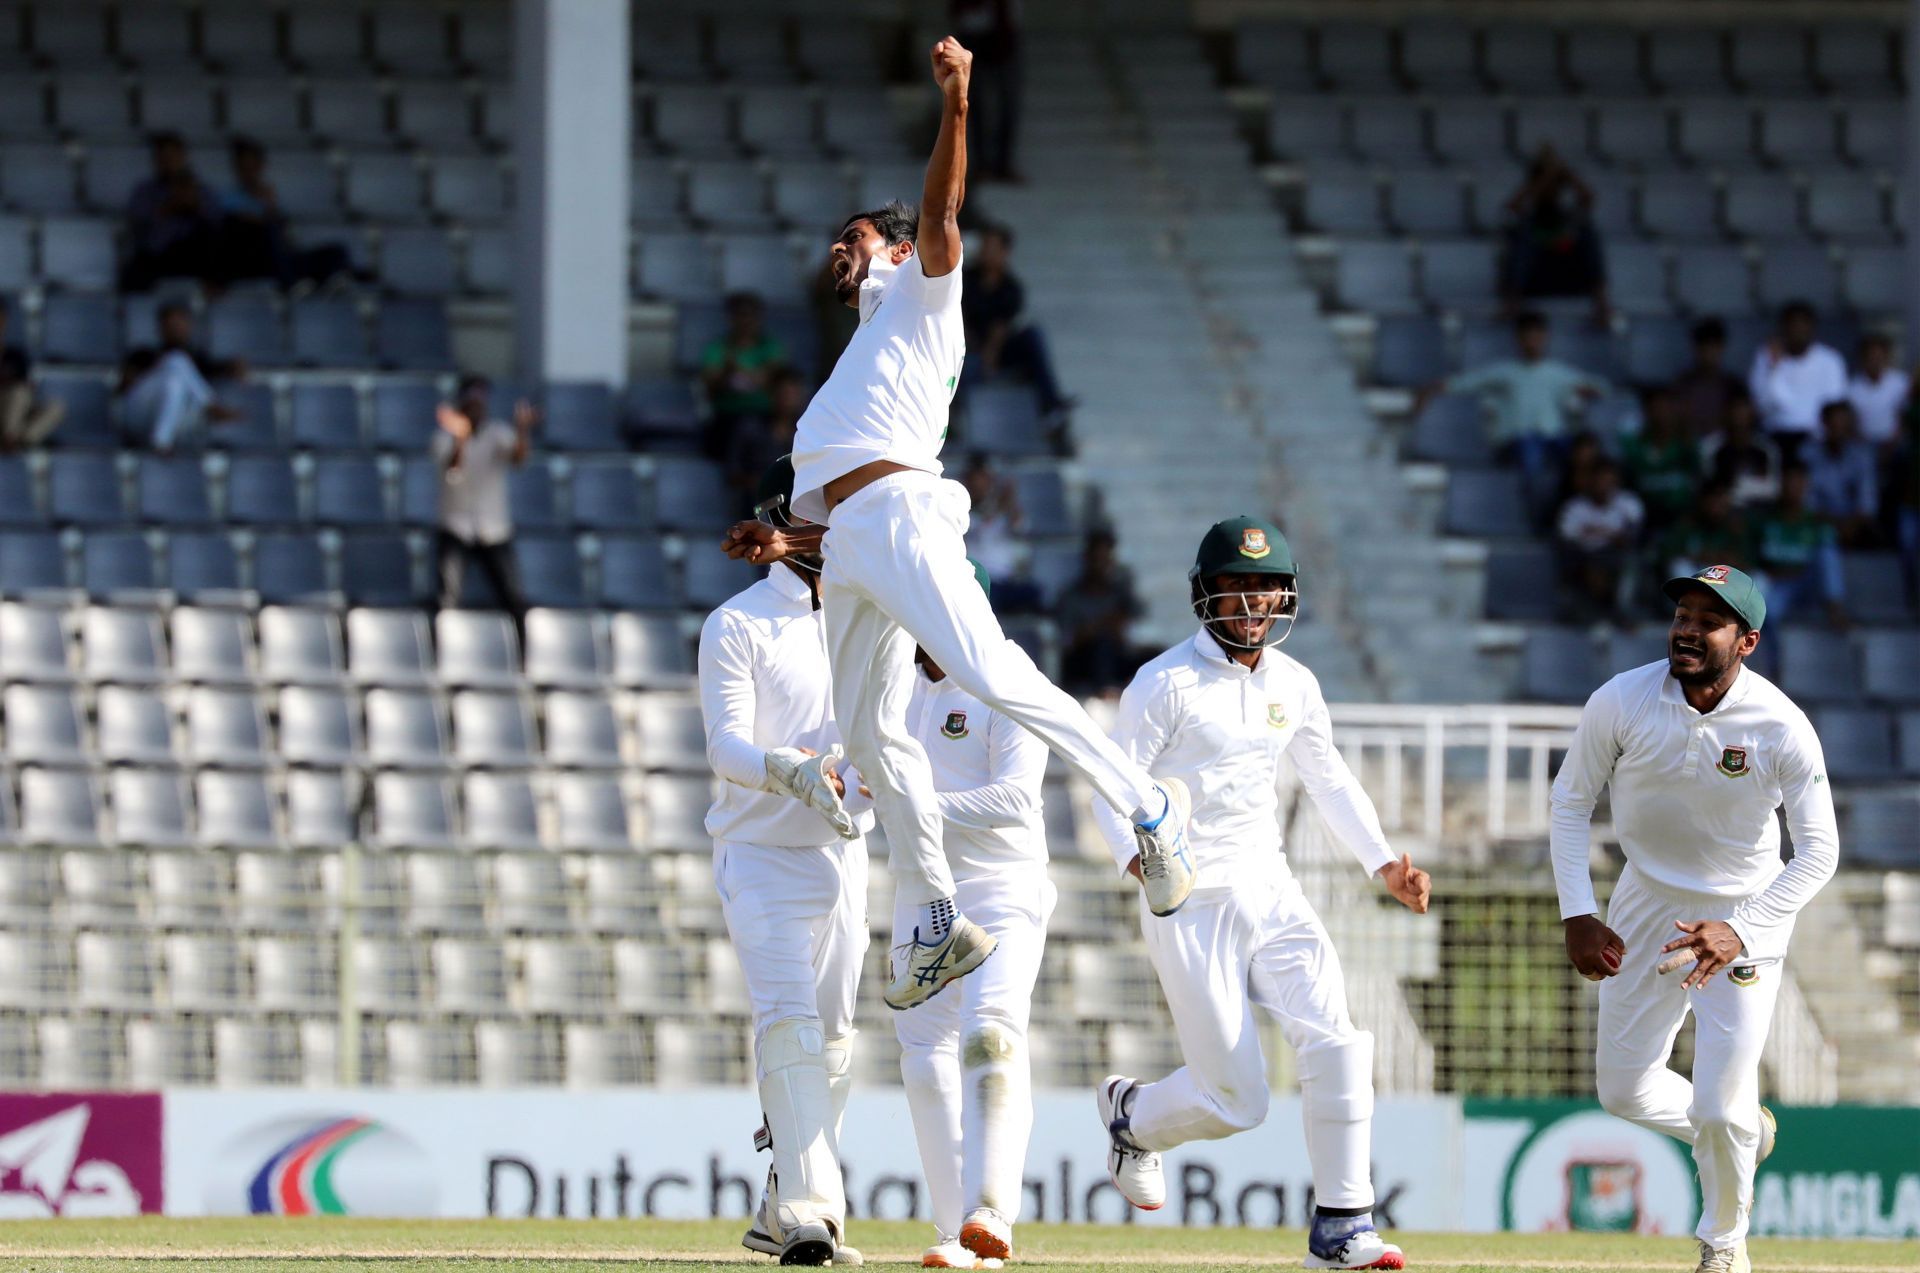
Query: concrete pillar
{"points": [[573, 121]]}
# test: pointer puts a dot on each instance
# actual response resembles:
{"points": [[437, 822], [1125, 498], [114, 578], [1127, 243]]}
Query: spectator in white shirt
{"points": [[1793, 377], [1598, 529], [476, 520], [1879, 392]]}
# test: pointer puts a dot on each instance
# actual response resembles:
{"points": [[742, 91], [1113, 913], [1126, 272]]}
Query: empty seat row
{"points": [[677, 265], [808, 195], [706, 120]]}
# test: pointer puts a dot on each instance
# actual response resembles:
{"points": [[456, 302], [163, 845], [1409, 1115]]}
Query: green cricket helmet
{"points": [[773, 504], [1246, 546]]}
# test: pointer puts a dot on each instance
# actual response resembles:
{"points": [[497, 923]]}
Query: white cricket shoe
{"points": [[794, 773], [1363, 1250], [949, 1254], [1166, 863], [1769, 1135], [922, 971], [809, 1244], [987, 1234], [1135, 1171], [1732, 1259]]}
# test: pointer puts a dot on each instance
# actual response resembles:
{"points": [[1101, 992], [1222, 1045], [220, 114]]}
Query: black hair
{"points": [[744, 297], [1797, 309], [171, 307], [1792, 467], [245, 145], [1710, 331], [1000, 229], [1880, 339], [1833, 406], [897, 222], [1530, 320], [472, 384], [165, 137]]}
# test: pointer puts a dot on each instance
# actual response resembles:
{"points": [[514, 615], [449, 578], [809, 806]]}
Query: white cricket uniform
{"points": [[964, 1053], [1247, 937], [1693, 804], [897, 573], [793, 892]]}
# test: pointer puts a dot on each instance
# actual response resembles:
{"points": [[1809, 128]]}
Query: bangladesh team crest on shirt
{"points": [[1733, 762], [1253, 543], [1277, 715], [1745, 975], [956, 726]]}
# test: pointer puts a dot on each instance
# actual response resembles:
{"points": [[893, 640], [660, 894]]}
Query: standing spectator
{"points": [[1713, 533], [26, 419], [173, 225], [738, 369], [1843, 482], [1793, 377], [254, 228], [1705, 388], [994, 533], [992, 303], [991, 28], [1662, 463], [1879, 393], [476, 520], [1531, 399], [757, 443], [168, 391], [1599, 528], [1800, 555], [1552, 248], [1095, 614], [1743, 457]]}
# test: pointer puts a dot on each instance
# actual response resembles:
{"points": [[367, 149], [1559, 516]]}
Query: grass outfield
{"points": [[561, 1246]]}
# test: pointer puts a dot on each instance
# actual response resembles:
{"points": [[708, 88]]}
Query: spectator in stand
{"points": [[758, 442], [1599, 529], [474, 454], [1843, 481], [1879, 393], [1904, 493], [738, 369], [991, 29], [992, 303], [1532, 400], [1799, 555], [1714, 533], [1552, 248], [168, 391], [996, 531], [173, 223], [1662, 463], [1705, 388], [1793, 377], [1742, 457], [254, 230], [1095, 614], [26, 419]]}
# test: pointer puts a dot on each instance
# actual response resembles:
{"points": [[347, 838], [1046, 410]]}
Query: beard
{"points": [[1704, 667]]}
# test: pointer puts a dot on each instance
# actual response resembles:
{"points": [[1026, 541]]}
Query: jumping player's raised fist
{"points": [[952, 68]]}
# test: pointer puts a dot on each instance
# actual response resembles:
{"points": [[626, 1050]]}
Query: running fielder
{"points": [[792, 877], [867, 463], [964, 1056], [1220, 710], [1700, 751]]}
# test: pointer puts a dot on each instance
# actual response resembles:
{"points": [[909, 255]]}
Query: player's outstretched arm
{"points": [[1410, 886], [938, 239], [761, 544]]}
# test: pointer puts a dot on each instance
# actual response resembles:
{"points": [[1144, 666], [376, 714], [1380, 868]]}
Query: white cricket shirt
{"points": [[987, 772], [1694, 798], [888, 396], [764, 684], [1222, 728]]}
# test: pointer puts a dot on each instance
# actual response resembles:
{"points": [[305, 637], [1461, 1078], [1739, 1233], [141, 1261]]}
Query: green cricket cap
{"points": [[1243, 546], [1734, 588]]}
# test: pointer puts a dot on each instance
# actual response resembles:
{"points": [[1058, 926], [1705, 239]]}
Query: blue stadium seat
{"points": [[608, 496], [654, 196], [247, 326], [489, 262], [1635, 133], [413, 40], [1876, 831], [261, 491], [1763, 206], [849, 119], [677, 267], [1522, 583], [1771, 61], [37, 179], [325, 417], [71, 35], [580, 416], [1559, 665], [1357, 57], [202, 566], [778, 121], [1452, 430], [692, 119], [1874, 282], [1876, 591], [16, 253], [1587, 347], [691, 494], [1392, 132], [1044, 501], [662, 408], [1346, 203], [376, 569], [1801, 134], [78, 254], [93, 106], [1460, 274], [1308, 129], [1004, 419], [1485, 503], [88, 400], [1656, 350], [435, 116], [417, 261], [79, 327], [330, 40], [1799, 271], [467, 188], [19, 506], [420, 491], [31, 561], [1274, 54], [1409, 350], [384, 188], [1710, 279], [1855, 60], [156, 36], [272, 111], [1847, 207], [1375, 276], [403, 414], [710, 578], [1484, 341], [1684, 60], [813, 197], [1889, 656], [667, 45], [258, 426], [726, 195], [84, 489], [1716, 132], [347, 491], [530, 497], [1817, 666], [413, 335], [1564, 125], [289, 568], [761, 263], [1679, 206], [327, 332], [236, 34], [1427, 204], [1637, 278], [116, 562], [752, 52], [349, 113], [550, 570], [1606, 61], [1523, 58], [307, 185], [184, 106], [173, 492], [1858, 742], [1440, 57]]}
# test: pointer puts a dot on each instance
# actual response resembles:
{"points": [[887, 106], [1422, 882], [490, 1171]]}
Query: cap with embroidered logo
{"points": [[1734, 588]]}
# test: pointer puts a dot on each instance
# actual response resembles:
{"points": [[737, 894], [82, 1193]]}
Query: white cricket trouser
{"points": [[1224, 953], [963, 1054], [897, 575], [1641, 1012]]}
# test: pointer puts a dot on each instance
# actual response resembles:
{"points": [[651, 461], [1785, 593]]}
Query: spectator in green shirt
{"points": [[1799, 554], [1714, 533], [738, 369], [1662, 463]]}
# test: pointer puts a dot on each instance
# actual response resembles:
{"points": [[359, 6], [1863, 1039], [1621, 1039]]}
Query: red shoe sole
{"points": [[1398, 1261], [984, 1243]]}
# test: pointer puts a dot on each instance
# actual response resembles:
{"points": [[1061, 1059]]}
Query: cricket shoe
{"points": [[1166, 863], [1731, 1259], [809, 1244], [1362, 1249], [987, 1234], [949, 1254], [1135, 1171], [794, 773], [922, 970], [1769, 1135]]}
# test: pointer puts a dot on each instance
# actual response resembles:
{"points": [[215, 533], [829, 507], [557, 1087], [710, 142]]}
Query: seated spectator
{"points": [[738, 368], [758, 442], [1743, 457], [1879, 393], [1799, 555], [1531, 398], [173, 224], [1552, 248], [1705, 388], [1843, 481], [26, 419], [254, 229], [168, 391], [996, 532], [474, 454], [1793, 377], [1095, 614], [1714, 532], [1599, 528], [992, 305], [1662, 463]]}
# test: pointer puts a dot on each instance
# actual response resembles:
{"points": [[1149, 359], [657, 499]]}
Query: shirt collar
{"points": [[786, 581], [1670, 692], [1208, 647], [873, 288]]}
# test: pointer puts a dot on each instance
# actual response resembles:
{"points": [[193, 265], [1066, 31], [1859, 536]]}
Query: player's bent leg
{"points": [[1734, 1018], [1135, 1171], [1654, 1097], [998, 1122], [796, 1094]]}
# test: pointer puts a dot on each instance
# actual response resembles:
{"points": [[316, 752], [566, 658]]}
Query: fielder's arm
{"points": [[1594, 949], [727, 703], [1016, 767], [1142, 727], [1816, 846], [761, 544], [937, 242]]}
